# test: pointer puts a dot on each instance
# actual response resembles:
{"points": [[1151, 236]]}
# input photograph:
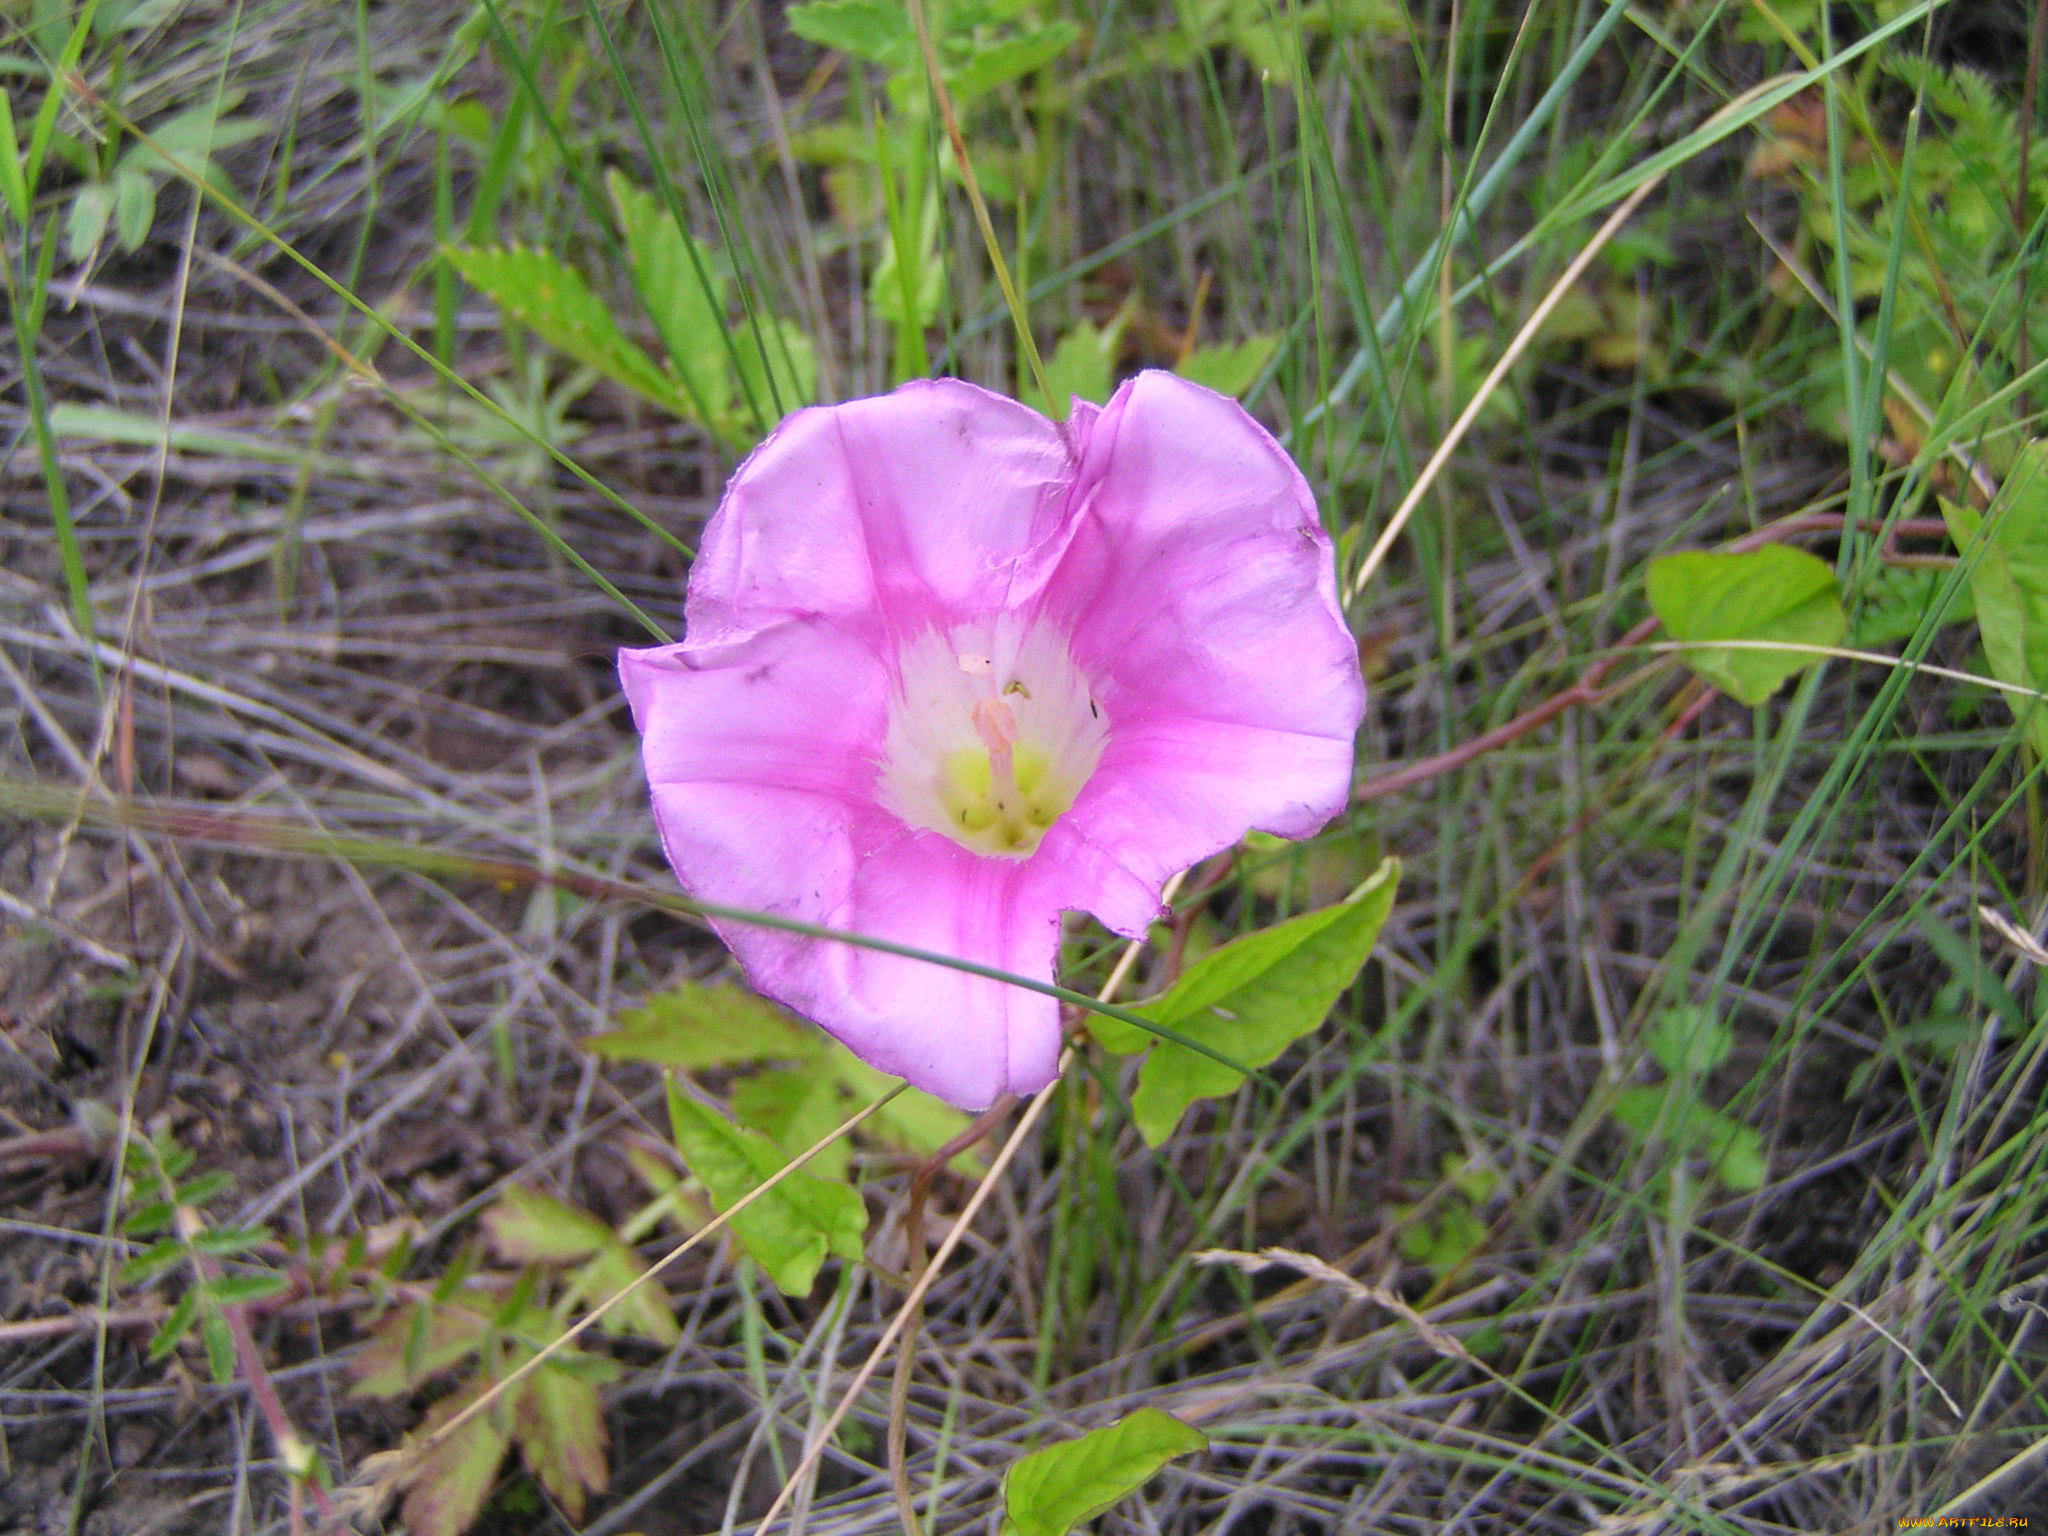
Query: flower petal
{"points": [[966, 1038], [1199, 590], [796, 706], [889, 515], [761, 760]]}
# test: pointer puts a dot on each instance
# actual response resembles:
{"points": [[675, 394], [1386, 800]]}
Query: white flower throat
{"points": [[992, 734]]}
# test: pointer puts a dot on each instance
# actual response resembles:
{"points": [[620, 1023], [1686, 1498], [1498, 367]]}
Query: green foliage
{"points": [[1250, 1000], [1772, 593], [795, 1225], [1050, 1491], [1898, 600], [981, 44], [716, 370], [1229, 368], [694, 1026], [553, 1414], [1443, 1232], [698, 1028], [1689, 1043], [685, 290], [1082, 365], [164, 1203], [182, 144], [2005, 552], [527, 1227], [1271, 37], [1960, 325], [552, 300]]}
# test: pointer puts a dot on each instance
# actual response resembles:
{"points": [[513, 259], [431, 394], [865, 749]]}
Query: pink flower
{"points": [[952, 670]]}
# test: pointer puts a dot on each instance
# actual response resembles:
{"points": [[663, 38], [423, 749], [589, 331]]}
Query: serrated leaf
{"points": [[153, 1217], [794, 1107], [1690, 1042], [219, 1341], [551, 299], [1053, 1490], [679, 279], [792, 363], [2005, 552], [164, 1254], [225, 1242], [236, 1290], [876, 30], [446, 1489], [1773, 593], [646, 1309], [204, 1188], [1081, 365], [175, 1325], [1254, 997], [558, 1423], [411, 1344], [998, 63], [528, 1227], [790, 1229], [1229, 368], [694, 1026]]}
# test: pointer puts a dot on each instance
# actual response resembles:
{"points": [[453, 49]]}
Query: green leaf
{"points": [[175, 1325], [236, 1290], [159, 1256], [685, 296], [790, 1229], [792, 362], [794, 1107], [2005, 552], [998, 63], [1053, 1490], [219, 1340], [552, 300], [913, 1120], [1897, 600], [1690, 1042], [876, 30], [134, 208], [13, 189], [1732, 1151], [1773, 593], [694, 1026], [528, 1227], [558, 1423], [92, 205], [225, 1242], [646, 1309], [1443, 1238], [1081, 365], [447, 1487], [1229, 368], [408, 1345], [1254, 997]]}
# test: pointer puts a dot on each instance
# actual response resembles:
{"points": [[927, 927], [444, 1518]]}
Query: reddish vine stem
{"points": [[1589, 690], [293, 1453], [1586, 690]]}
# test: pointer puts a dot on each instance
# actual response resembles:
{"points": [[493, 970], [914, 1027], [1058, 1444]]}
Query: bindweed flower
{"points": [[951, 671]]}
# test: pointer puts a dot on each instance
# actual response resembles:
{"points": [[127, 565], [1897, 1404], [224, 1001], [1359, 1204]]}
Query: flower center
{"points": [[992, 734]]}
